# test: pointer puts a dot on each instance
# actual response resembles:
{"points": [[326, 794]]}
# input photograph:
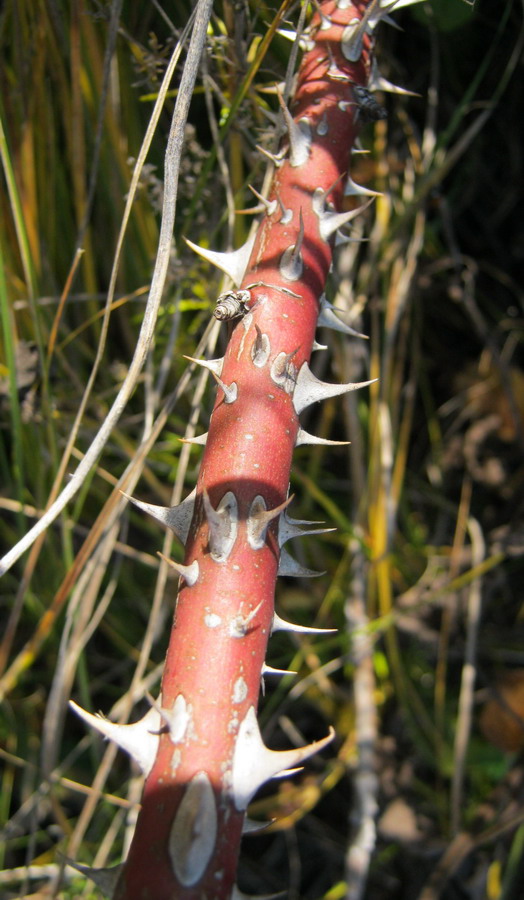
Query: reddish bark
{"points": [[187, 838]]}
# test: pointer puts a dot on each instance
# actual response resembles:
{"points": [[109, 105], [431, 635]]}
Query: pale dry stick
{"points": [[172, 170], [221, 158], [469, 672], [111, 510], [39, 532], [365, 781], [79, 626]]}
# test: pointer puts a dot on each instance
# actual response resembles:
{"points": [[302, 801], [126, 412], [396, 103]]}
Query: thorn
{"points": [[299, 134], [292, 569], [310, 389], [377, 82], [177, 719], [328, 319], [251, 827], [223, 525], [317, 346], [286, 214], [239, 626], [305, 42], [258, 519], [352, 36], [358, 148], [200, 439], [254, 763], [303, 437], [329, 222], [139, 739], [230, 391], [276, 158], [177, 518], [352, 189], [269, 670], [291, 263], [233, 263], [106, 879], [188, 573], [214, 365], [281, 625], [269, 207], [290, 528], [394, 5]]}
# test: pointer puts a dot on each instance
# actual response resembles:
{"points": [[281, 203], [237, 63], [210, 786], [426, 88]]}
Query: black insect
{"points": [[231, 305], [369, 109]]}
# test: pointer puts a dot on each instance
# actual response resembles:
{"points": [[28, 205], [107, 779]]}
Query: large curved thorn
{"points": [[328, 318], [292, 569], [177, 518], [139, 740], [254, 763], [281, 625], [233, 263], [303, 437], [105, 879], [290, 528], [309, 389]]}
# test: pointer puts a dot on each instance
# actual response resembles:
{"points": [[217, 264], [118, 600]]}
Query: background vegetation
{"points": [[424, 573]]}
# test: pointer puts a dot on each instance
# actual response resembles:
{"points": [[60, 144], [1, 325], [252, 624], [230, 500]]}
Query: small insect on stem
{"points": [[369, 108], [234, 304], [231, 305]]}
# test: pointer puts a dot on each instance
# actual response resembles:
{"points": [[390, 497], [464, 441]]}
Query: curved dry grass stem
{"points": [[172, 169]]}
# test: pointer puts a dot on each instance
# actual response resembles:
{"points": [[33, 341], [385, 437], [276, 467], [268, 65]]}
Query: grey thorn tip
{"points": [[352, 189], [351, 41], [200, 439], [269, 206], [254, 763], [291, 528], [214, 365], [250, 826], [299, 134], [394, 5], [269, 670], [292, 569], [233, 263], [310, 389], [328, 318], [106, 879], [281, 625], [258, 519], [303, 437], [377, 82], [188, 573], [276, 158], [139, 739], [330, 222], [177, 518], [230, 390]]}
